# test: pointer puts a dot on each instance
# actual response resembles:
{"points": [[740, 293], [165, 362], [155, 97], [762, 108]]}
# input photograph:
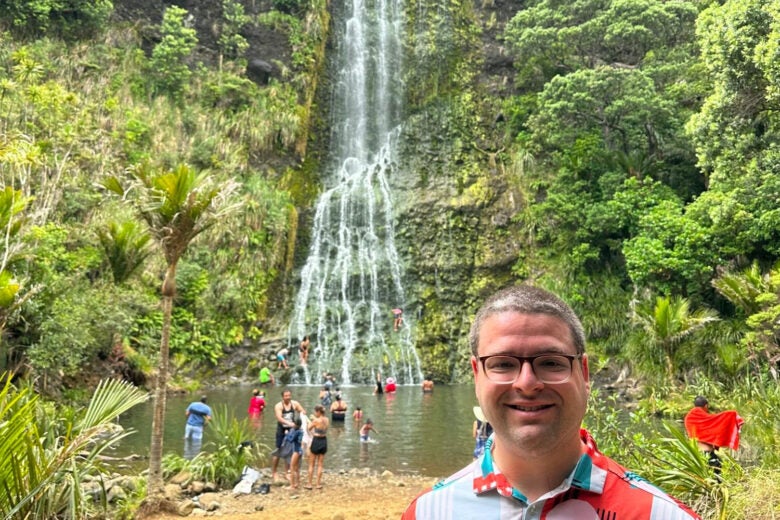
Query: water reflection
{"points": [[427, 434], [192, 447]]}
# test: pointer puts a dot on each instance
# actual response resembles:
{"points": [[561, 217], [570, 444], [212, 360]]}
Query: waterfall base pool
{"points": [[425, 434]]}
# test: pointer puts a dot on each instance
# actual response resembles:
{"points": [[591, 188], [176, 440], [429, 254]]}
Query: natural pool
{"points": [[427, 434]]}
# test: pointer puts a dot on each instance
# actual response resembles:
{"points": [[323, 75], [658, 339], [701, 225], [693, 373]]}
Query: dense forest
{"points": [[159, 164]]}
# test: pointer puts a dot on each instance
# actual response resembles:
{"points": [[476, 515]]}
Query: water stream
{"points": [[353, 279]]}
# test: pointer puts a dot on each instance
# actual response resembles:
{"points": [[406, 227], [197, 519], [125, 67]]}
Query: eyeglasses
{"points": [[550, 369]]}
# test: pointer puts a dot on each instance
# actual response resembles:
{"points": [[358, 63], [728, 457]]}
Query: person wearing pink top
{"points": [[256, 403]]}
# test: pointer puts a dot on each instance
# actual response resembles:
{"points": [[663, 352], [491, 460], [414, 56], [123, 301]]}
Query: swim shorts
{"points": [[319, 445]]}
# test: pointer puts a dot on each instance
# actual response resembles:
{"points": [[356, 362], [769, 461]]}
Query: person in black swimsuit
{"points": [[319, 444], [338, 410], [285, 420]]}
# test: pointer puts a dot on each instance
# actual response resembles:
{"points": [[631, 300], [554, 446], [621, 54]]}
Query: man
{"points": [[284, 411], [713, 431], [531, 380], [198, 415]]}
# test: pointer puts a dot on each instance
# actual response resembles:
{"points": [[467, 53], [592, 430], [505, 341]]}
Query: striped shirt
{"points": [[597, 489]]}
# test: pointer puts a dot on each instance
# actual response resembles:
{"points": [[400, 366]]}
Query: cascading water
{"points": [[352, 279]]}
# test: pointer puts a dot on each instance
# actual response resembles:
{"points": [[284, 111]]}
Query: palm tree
{"points": [[43, 460], [664, 327], [126, 247], [757, 295], [743, 289], [177, 206]]}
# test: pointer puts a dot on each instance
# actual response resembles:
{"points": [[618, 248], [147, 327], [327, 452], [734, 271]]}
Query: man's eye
{"points": [[501, 364], [553, 363]]}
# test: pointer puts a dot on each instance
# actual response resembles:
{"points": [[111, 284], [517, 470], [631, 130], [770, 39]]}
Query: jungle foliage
{"points": [[636, 152], [651, 204], [80, 278]]}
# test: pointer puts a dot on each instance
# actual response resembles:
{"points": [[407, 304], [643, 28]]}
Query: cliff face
{"points": [[453, 199], [267, 44]]}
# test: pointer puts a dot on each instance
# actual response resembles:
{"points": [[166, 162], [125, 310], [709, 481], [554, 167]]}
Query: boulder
{"points": [[259, 71]]}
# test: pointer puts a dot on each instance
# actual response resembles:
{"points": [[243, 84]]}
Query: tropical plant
{"points": [[12, 206], [664, 328], [177, 206], [126, 246], [676, 464], [230, 448], [742, 289], [232, 43], [73, 19], [755, 295], [45, 455]]}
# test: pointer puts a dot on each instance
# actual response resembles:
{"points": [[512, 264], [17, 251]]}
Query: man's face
{"points": [[528, 416], [286, 397]]}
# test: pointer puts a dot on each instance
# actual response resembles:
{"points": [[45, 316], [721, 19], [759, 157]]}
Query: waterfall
{"points": [[352, 279]]}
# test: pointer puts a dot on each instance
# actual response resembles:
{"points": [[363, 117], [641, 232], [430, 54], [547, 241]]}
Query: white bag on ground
{"points": [[248, 477]]}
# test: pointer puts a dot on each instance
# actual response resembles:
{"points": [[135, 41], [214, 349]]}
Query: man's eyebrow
{"points": [[542, 352]]}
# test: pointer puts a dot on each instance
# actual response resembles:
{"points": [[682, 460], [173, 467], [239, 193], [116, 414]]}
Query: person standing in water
{"points": [[338, 409], [256, 404], [366, 429], [284, 411], [266, 377], [357, 416], [198, 415], [379, 389]]}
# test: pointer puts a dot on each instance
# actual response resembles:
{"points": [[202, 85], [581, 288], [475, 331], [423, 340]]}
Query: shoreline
{"points": [[345, 495]]}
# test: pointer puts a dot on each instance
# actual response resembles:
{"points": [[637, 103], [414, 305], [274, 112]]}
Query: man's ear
{"points": [[475, 366]]}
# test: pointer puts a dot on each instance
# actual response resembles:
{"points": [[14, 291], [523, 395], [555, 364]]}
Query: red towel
{"points": [[718, 429]]}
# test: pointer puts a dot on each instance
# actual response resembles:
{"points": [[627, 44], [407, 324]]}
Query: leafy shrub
{"points": [[70, 19], [168, 64], [223, 457]]}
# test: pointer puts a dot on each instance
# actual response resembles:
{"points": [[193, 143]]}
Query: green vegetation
{"points": [[46, 454], [177, 206], [630, 164], [224, 457], [80, 276]]}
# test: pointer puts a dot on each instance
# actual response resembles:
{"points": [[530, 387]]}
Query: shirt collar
{"points": [[588, 475]]}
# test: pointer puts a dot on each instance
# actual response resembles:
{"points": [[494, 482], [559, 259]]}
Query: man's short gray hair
{"points": [[527, 299]]}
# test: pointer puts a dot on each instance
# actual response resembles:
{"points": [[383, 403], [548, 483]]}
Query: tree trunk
{"points": [[155, 482]]}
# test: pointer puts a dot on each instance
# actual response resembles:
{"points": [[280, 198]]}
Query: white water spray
{"points": [[352, 279]]}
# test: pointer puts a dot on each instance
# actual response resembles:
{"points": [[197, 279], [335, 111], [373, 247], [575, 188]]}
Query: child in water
{"points": [[366, 429], [357, 415]]}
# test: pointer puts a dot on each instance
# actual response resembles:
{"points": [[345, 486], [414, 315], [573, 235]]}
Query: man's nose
{"points": [[526, 379]]}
